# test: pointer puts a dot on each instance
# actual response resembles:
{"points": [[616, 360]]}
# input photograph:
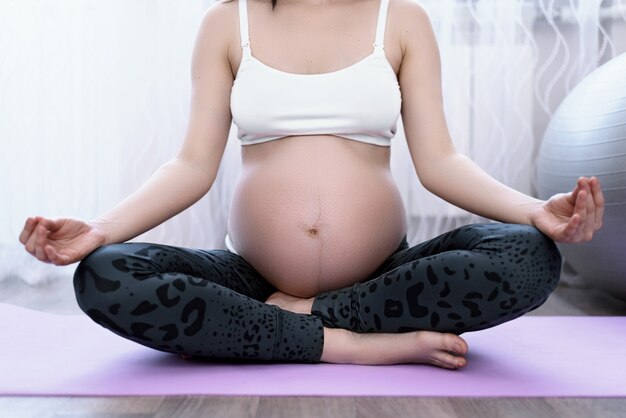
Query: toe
{"points": [[455, 344], [449, 361], [443, 365]]}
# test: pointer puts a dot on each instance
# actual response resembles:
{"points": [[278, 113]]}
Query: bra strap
{"points": [[380, 25], [243, 25]]}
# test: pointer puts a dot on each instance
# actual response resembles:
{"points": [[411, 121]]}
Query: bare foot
{"points": [[428, 347], [290, 303]]}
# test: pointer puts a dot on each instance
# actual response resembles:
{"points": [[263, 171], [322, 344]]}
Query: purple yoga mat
{"points": [[49, 354]]}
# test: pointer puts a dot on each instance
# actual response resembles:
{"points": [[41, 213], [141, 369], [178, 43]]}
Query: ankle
{"points": [[305, 306], [338, 345]]}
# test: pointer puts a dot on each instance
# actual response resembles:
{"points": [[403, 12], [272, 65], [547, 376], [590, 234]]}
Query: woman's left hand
{"points": [[574, 216]]}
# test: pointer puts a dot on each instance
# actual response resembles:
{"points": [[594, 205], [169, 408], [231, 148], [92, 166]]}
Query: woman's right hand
{"points": [[61, 241]]}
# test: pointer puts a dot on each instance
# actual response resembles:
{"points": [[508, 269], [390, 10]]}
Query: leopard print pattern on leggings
{"points": [[197, 302], [210, 303], [469, 279]]}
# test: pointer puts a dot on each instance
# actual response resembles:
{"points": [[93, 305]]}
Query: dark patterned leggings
{"points": [[210, 303]]}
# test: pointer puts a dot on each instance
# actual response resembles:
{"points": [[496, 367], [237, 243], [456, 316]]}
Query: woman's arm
{"points": [[182, 181], [454, 177], [177, 184]]}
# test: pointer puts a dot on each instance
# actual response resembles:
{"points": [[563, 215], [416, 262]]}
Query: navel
{"points": [[313, 232]]}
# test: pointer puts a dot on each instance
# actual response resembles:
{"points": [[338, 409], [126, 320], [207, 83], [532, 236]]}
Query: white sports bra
{"points": [[361, 102]]}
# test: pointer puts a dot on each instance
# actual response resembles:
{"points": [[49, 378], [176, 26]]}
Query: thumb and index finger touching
{"points": [[33, 222], [34, 236]]}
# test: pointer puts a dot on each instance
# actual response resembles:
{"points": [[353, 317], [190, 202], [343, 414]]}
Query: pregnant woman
{"points": [[318, 268]]}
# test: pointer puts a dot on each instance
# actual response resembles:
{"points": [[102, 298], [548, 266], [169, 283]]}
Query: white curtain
{"points": [[94, 96]]}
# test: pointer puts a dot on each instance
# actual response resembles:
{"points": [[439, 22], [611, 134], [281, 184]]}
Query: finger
{"points": [[52, 254], [50, 226], [573, 195], [42, 240], [598, 198], [581, 210], [570, 229], [31, 243], [55, 257], [54, 224], [29, 227], [590, 224], [32, 239], [45, 223]]}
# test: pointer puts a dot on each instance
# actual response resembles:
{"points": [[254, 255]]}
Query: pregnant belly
{"points": [[315, 213]]}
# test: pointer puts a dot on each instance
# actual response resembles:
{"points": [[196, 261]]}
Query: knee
{"points": [[531, 257], [538, 259], [92, 280], [521, 243], [541, 249]]}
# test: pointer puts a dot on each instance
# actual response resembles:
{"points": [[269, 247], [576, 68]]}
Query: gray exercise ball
{"points": [[587, 137]]}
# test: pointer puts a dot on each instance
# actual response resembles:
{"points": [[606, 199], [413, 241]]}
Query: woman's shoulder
{"points": [[221, 11], [410, 21], [219, 22], [408, 11]]}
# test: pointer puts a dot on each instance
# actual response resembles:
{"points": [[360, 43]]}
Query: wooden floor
{"points": [[573, 297]]}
